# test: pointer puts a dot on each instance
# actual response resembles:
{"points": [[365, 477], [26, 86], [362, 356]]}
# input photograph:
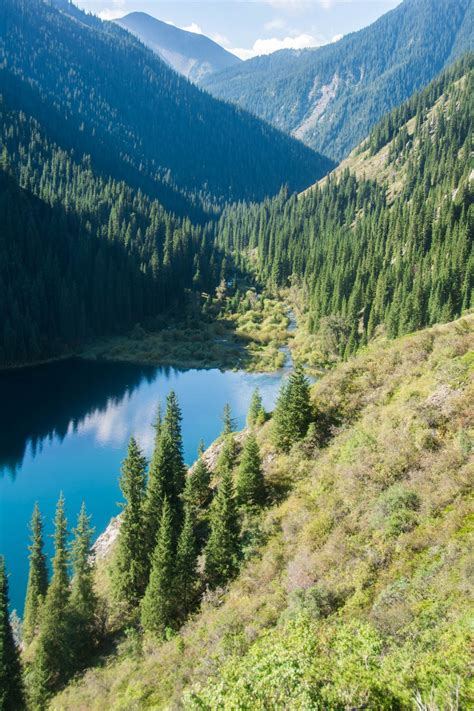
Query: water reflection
{"points": [[65, 427], [54, 400]]}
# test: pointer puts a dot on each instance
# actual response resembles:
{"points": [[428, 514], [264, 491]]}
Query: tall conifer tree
{"points": [[250, 481], [158, 607], [186, 566], [11, 684], [37, 578], [167, 472], [227, 420], [292, 414], [83, 597], [53, 659], [222, 548], [256, 413], [131, 562]]}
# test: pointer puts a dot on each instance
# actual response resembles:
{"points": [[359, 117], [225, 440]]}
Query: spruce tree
{"points": [[11, 684], [167, 472], [131, 562], [256, 413], [227, 420], [197, 490], [37, 578], [227, 455], [250, 481], [158, 607], [186, 566], [83, 598], [53, 660], [292, 413], [222, 548]]}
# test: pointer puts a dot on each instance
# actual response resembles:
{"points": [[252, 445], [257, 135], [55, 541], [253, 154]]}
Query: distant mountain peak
{"points": [[189, 53]]}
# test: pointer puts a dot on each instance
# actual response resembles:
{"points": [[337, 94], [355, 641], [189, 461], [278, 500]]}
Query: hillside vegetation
{"points": [[369, 255], [330, 97], [356, 585], [99, 91]]}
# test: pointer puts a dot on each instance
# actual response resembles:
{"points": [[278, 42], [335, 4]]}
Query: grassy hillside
{"points": [[385, 155], [392, 253], [357, 581]]}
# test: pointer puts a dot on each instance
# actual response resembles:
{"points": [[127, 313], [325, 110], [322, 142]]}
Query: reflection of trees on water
{"points": [[47, 401]]}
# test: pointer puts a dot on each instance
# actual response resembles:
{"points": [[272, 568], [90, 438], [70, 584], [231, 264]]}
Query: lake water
{"points": [[65, 427]]}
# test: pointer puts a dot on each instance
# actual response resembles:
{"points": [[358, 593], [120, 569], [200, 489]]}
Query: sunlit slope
{"points": [[356, 590]]}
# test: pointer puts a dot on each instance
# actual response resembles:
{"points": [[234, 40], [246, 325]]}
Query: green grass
{"points": [[357, 589], [249, 339]]}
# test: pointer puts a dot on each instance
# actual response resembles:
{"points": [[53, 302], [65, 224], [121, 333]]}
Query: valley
{"points": [[237, 350]]}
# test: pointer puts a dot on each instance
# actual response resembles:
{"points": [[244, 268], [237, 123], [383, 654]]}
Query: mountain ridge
{"points": [[102, 93], [193, 55], [332, 95]]}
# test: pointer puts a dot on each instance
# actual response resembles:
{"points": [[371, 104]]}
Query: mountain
{"points": [[330, 97], [82, 256], [354, 590], [98, 91], [189, 53], [385, 244]]}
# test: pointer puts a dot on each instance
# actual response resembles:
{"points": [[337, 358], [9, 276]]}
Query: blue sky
{"points": [[251, 27]]}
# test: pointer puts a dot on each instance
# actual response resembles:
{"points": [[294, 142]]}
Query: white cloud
{"points": [[193, 27], [276, 24], [336, 38], [113, 13], [267, 46], [220, 39]]}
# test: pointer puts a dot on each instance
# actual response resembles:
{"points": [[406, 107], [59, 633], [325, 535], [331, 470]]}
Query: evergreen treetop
{"points": [[37, 577], [11, 684]]}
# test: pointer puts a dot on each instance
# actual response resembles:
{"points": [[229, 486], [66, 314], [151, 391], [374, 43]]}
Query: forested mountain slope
{"points": [[365, 254], [96, 89], [82, 256], [331, 97], [191, 54], [354, 587]]}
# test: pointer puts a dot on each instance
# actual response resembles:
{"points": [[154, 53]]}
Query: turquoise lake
{"points": [[65, 427]]}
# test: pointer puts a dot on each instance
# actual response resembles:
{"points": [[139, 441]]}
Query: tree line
{"points": [[181, 535]]}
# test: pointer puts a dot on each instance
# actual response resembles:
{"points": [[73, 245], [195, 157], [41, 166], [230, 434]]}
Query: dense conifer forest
{"points": [[361, 258], [330, 97], [319, 558], [96, 89], [83, 256]]}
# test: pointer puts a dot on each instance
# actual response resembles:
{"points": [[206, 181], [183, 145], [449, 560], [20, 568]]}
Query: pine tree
{"points": [[37, 578], [293, 411], [131, 563], [11, 684], [250, 481], [167, 472], [53, 654], [228, 455], [186, 566], [227, 420], [159, 603], [256, 413], [222, 548], [83, 598], [197, 490]]}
